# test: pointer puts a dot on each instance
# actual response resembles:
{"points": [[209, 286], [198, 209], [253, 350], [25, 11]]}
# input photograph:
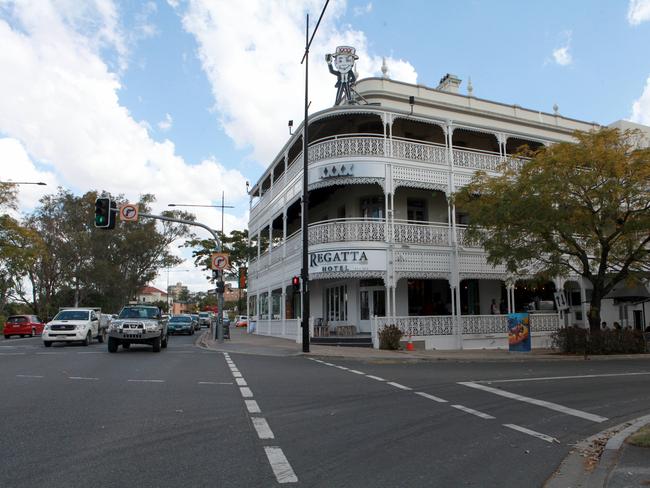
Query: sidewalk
{"points": [[245, 343], [603, 460]]}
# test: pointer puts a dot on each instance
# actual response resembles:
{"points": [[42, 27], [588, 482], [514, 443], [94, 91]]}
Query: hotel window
{"points": [[336, 304], [252, 306], [372, 207], [276, 303], [416, 209], [264, 306]]}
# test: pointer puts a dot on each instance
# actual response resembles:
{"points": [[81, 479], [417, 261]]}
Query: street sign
{"points": [[219, 260], [560, 300], [129, 212]]}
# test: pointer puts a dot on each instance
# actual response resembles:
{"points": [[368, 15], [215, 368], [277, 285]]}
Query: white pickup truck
{"points": [[76, 324]]}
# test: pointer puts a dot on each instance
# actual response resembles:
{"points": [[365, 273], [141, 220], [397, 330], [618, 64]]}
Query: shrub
{"points": [[576, 340], [389, 337]]}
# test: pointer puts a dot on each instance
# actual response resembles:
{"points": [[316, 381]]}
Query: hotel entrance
{"points": [[372, 301]]}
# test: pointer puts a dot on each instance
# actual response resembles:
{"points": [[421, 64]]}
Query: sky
{"points": [[189, 100]]}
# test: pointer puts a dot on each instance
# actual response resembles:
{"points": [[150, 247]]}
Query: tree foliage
{"points": [[574, 208], [73, 262]]}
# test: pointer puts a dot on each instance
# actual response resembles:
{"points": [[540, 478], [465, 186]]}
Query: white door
{"points": [[372, 301]]}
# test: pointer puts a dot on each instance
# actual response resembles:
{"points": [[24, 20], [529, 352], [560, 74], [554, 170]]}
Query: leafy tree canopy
{"points": [[578, 208]]}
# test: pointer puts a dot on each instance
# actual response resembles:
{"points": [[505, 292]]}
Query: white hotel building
{"points": [[386, 245]]}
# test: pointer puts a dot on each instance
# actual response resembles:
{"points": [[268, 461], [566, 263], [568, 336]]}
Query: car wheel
{"points": [[156, 344], [112, 344], [126, 345], [192, 332], [7, 337], [102, 336], [89, 338], [33, 332], [47, 343], [164, 341]]}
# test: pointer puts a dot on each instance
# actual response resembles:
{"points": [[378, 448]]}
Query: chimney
{"points": [[449, 83]]}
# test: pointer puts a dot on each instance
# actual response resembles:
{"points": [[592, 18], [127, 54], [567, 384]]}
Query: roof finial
{"points": [[556, 109], [384, 68], [470, 87]]}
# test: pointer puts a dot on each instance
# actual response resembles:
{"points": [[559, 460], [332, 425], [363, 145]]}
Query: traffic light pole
{"points": [[217, 242]]}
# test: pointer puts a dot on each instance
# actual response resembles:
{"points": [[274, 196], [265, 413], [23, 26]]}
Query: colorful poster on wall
{"points": [[519, 332]]}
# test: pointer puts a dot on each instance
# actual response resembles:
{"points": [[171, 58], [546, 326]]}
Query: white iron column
{"points": [[583, 302]]}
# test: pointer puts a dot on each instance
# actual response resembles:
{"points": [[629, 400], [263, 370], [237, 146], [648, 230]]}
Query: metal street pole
{"points": [[304, 273], [219, 331]]}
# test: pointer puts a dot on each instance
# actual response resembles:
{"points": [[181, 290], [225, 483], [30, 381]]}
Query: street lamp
{"points": [[22, 183]]}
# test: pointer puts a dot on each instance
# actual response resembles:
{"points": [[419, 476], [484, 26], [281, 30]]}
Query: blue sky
{"points": [[186, 99]]}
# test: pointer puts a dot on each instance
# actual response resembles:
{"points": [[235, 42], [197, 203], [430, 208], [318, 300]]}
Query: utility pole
{"points": [[304, 273]]}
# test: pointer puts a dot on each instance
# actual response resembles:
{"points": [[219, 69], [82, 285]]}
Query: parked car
{"points": [[205, 319], [197, 321], [181, 324], [23, 325], [241, 321]]}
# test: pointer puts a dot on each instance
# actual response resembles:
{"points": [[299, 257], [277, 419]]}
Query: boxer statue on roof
{"points": [[343, 59]]}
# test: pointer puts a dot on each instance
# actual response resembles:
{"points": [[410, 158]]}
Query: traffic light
{"points": [[112, 215], [103, 213], [221, 286], [295, 281]]}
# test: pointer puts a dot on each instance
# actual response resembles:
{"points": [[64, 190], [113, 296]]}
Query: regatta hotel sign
{"points": [[347, 260]]}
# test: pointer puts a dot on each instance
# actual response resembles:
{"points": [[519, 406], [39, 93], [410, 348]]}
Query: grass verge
{"points": [[640, 438]]}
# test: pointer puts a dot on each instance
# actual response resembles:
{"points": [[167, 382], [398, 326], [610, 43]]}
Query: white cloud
{"points": [[562, 56], [60, 102], [166, 123], [362, 9], [255, 72], [638, 11], [641, 106], [17, 166]]}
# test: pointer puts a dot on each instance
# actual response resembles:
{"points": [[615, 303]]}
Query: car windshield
{"points": [[204, 314], [17, 320], [180, 319], [72, 315], [138, 313]]}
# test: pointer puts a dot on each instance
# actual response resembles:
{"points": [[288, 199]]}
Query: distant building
{"points": [[150, 294]]}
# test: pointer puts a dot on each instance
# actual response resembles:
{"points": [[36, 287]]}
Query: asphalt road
{"points": [[78, 416]]}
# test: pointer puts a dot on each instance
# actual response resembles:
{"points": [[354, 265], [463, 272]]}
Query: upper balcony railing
{"points": [[372, 145]]}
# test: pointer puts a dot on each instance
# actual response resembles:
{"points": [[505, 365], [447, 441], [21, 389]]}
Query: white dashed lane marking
{"points": [[280, 465], [375, 377], [278, 461], [252, 406], [262, 428], [146, 381], [431, 397], [397, 385], [82, 378], [576, 377], [473, 412], [544, 437], [215, 382], [539, 403], [28, 376]]}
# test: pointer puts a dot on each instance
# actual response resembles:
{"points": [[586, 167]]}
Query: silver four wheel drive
{"points": [[138, 324]]}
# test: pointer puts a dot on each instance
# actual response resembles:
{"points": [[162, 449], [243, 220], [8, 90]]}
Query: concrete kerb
{"points": [[574, 471], [265, 345]]}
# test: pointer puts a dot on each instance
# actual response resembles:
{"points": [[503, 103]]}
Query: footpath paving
{"points": [[603, 460]]}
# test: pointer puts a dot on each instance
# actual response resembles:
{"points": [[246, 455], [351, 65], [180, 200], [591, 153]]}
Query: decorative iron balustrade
{"points": [[484, 324], [416, 233], [347, 230], [346, 146], [418, 326], [477, 160], [439, 325], [416, 151]]}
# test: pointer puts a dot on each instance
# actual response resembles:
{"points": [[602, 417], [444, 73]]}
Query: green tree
{"points": [[88, 266], [236, 244], [580, 208]]}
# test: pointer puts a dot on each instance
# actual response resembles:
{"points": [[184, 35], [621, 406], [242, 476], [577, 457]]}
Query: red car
{"points": [[23, 325]]}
